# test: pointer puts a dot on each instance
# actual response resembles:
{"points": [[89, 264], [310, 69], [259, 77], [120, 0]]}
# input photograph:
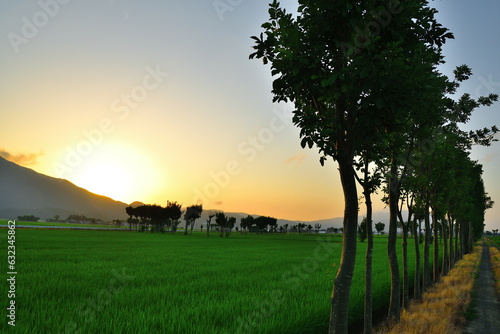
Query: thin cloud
{"points": [[21, 159], [296, 159], [489, 157], [218, 203]]}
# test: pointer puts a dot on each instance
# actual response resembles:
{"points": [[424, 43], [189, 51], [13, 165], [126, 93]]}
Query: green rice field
{"points": [[84, 281]]}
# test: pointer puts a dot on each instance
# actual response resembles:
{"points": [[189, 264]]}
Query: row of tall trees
{"points": [[364, 79]]}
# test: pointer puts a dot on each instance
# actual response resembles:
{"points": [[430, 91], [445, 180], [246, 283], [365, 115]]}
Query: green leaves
{"points": [[330, 80], [306, 141], [462, 73]]}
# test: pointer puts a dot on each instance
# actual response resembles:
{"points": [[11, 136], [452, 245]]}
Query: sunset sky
{"points": [[157, 100]]}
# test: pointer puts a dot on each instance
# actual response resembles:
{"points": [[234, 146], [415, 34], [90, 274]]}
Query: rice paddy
{"points": [[80, 281]]}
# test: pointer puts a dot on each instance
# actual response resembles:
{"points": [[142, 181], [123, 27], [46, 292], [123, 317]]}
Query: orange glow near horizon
{"points": [[120, 172]]}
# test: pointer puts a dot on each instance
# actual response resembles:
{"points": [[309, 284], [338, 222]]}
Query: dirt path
{"points": [[487, 319]]}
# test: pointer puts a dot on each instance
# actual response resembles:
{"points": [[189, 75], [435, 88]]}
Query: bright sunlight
{"points": [[118, 171]]}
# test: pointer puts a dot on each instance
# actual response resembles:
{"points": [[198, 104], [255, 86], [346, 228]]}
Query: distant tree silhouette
{"points": [[131, 212], [231, 221], [157, 218], [28, 218], [379, 227], [332, 230], [263, 223], [154, 217], [193, 212], [221, 221], [173, 212], [301, 226], [272, 223], [247, 223], [209, 222], [55, 219], [362, 230]]}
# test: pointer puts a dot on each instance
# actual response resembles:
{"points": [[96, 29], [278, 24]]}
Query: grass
{"points": [[442, 309], [495, 266], [79, 281], [495, 240]]}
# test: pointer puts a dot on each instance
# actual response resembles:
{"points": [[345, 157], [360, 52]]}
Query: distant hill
{"points": [[26, 192]]}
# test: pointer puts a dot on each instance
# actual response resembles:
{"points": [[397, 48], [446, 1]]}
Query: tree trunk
{"points": [[463, 239], [406, 288], [426, 269], [368, 325], [192, 226], [209, 220], [444, 237], [339, 313], [471, 238], [416, 287], [395, 298], [435, 263], [451, 258]]}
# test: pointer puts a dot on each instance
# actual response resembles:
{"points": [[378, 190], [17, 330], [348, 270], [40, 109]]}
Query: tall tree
{"points": [[340, 81], [369, 181]]}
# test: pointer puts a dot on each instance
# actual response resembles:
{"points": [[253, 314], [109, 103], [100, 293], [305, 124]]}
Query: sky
{"points": [[157, 100]]}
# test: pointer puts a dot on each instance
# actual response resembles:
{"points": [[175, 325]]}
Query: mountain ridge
{"points": [[25, 191]]}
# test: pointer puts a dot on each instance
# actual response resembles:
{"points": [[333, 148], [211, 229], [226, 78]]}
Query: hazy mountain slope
{"points": [[24, 191]]}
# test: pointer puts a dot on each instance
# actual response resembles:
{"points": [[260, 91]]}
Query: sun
{"points": [[120, 172], [108, 180]]}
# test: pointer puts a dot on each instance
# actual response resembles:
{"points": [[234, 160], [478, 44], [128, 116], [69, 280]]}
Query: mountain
{"points": [[26, 192]]}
